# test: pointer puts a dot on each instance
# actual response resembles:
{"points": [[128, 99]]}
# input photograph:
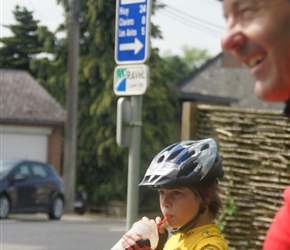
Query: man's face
{"points": [[258, 35]]}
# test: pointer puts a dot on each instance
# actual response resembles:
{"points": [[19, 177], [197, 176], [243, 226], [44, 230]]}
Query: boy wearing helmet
{"points": [[185, 175]]}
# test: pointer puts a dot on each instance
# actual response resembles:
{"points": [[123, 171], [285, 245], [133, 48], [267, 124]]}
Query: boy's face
{"points": [[258, 34], [180, 204]]}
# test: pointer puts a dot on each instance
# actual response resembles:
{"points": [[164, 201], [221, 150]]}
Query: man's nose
{"points": [[233, 38]]}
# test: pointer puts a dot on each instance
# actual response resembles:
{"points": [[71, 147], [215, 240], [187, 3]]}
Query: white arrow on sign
{"points": [[136, 46]]}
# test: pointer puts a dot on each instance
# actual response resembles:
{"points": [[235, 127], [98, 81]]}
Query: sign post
{"points": [[132, 47], [134, 162]]}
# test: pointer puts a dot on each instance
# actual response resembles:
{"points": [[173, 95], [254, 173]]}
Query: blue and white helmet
{"points": [[184, 163]]}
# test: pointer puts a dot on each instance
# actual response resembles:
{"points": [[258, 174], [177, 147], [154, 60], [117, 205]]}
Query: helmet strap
{"points": [[192, 223]]}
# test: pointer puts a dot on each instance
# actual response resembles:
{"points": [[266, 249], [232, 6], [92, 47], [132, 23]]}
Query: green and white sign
{"points": [[131, 80]]}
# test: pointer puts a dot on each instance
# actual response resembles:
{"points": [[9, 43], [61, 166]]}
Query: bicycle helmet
{"points": [[184, 163]]}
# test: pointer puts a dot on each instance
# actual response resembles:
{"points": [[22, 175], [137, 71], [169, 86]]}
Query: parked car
{"points": [[30, 187], [80, 202]]}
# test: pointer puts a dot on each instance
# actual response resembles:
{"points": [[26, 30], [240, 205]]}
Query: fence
{"points": [[255, 146]]}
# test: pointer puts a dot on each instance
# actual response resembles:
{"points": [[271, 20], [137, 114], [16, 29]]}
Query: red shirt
{"points": [[278, 235]]}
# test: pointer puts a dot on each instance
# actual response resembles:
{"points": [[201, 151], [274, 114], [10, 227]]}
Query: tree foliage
{"points": [[28, 41], [181, 66], [102, 165]]}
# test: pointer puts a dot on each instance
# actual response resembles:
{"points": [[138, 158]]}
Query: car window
{"points": [[6, 165], [23, 171], [39, 170]]}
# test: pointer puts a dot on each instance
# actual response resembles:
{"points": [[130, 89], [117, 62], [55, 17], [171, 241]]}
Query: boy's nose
{"points": [[164, 202]]}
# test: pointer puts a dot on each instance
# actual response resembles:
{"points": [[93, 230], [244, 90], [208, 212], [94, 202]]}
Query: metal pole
{"points": [[134, 162]]}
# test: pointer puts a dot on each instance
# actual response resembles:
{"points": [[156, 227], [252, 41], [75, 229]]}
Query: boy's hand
{"points": [[138, 240], [140, 245], [161, 227]]}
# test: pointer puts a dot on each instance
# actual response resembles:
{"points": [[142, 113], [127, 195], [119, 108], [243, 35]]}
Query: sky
{"points": [[193, 23]]}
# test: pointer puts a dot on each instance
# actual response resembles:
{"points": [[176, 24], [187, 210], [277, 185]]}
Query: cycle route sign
{"points": [[131, 79], [132, 31]]}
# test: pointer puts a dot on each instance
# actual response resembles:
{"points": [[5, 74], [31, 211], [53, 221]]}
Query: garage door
{"points": [[23, 142]]}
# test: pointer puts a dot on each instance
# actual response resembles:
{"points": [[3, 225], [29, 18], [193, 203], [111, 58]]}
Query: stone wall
{"points": [[255, 146]]}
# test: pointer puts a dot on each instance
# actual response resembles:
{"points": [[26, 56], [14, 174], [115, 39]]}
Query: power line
{"points": [[184, 15], [191, 17], [210, 2], [189, 24], [180, 18]]}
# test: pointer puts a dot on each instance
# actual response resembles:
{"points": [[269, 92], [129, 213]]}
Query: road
{"points": [[72, 232]]}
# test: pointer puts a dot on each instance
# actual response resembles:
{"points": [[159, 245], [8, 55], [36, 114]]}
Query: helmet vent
{"points": [[187, 155], [204, 147], [160, 159], [188, 170], [153, 179], [174, 154]]}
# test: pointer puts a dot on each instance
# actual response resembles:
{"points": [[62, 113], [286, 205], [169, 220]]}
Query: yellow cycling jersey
{"points": [[206, 237]]}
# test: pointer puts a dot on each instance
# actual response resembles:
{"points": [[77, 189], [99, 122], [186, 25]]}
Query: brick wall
{"points": [[55, 145]]}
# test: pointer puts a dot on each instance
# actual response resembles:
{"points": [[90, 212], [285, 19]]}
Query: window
{"points": [[39, 170], [23, 171]]}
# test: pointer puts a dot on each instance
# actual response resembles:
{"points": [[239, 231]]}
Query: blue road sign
{"points": [[132, 31]]}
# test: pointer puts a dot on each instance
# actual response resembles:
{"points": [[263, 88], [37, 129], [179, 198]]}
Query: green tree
{"points": [[28, 41], [194, 58], [179, 67], [51, 70]]}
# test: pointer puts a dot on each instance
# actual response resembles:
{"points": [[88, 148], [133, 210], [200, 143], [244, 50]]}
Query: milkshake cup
{"points": [[147, 229]]}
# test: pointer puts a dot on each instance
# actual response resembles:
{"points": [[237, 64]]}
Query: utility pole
{"points": [[71, 107]]}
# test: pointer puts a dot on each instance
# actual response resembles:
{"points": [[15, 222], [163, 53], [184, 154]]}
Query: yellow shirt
{"points": [[206, 237]]}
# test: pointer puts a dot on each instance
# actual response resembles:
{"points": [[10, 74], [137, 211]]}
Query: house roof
{"points": [[232, 85], [24, 100]]}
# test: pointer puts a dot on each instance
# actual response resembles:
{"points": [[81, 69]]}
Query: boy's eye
{"points": [[175, 192]]}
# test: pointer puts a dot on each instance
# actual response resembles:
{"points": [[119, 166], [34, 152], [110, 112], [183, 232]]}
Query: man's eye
{"points": [[175, 192], [247, 12]]}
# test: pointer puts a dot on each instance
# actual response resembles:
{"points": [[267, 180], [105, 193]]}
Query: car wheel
{"points": [[56, 209], [4, 207]]}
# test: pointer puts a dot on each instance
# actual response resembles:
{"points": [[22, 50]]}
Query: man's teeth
{"points": [[255, 60]]}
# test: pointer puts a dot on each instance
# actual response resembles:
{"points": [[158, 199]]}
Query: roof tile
{"points": [[22, 98]]}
